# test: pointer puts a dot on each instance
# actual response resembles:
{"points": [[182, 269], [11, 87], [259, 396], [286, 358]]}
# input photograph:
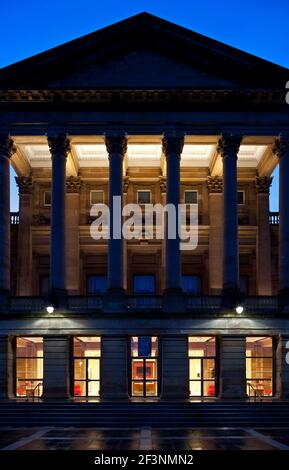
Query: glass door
{"points": [[202, 366], [144, 366], [86, 366]]}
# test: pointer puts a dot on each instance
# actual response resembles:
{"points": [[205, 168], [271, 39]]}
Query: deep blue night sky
{"points": [[256, 26]]}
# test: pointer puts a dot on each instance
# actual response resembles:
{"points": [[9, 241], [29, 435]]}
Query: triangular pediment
{"points": [[143, 52], [142, 68]]}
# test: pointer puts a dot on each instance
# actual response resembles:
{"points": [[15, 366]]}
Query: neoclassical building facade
{"points": [[154, 114]]}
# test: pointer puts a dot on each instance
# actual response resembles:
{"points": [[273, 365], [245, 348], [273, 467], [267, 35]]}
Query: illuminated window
{"points": [[202, 366], [144, 284], [144, 366], [96, 197], [144, 197], [47, 198], [191, 284], [96, 284], [86, 366], [29, 366], [259, 366]]}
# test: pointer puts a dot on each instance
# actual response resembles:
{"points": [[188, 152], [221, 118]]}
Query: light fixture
{"points": [[50, 309], [239, 309]]}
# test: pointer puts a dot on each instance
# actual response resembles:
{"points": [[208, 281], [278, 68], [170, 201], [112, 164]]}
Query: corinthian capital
{"points": [[25, 184], [215, 184], [229, 144], [172, 144], [281, 146], [58, 144], [262, 184], [116, 144], [7, 147], [73, 184]]}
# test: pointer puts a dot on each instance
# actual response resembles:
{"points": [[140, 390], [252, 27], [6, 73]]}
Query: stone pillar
{"points": [[163, 189], [216, 234], [125, 250], [282, 367], [55, 370], [233, 367], [6, 151], [6, 367], [175, 373], [114, 367], [228, 148], [73, 185], [281, 149], [59, 148], [116, 147], [264, 281], [24, 255], [172, 149]]}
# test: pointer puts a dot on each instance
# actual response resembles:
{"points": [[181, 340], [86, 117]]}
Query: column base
{"points": [[58, 298], [174, 300], [283, 300], [4, 301], [230, 298], [115, 301]]}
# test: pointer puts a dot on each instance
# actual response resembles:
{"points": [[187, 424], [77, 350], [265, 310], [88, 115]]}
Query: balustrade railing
{"points": [[147, 302], [27, 304], [14, 218], [261, 303], [194, 303], [203, 302], [274, 218], [89, 302]]}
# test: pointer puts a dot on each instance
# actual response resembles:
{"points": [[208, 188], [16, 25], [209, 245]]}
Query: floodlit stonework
{"points": [[154, 114]]}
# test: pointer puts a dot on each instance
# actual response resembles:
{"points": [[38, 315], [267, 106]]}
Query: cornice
{"points": [[259, 96]]}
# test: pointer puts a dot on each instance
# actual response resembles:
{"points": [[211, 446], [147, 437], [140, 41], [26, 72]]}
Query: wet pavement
{"points": [[49, 438]]}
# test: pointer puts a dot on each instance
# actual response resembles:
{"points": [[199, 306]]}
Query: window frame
{"points": [[202, 380], [99, 292], [273, 365], [85, 359], [16, 357], [144, 191], [96, 191], [131, 358], [200, 283], [44, 196], [191, 191], [244, 197]]}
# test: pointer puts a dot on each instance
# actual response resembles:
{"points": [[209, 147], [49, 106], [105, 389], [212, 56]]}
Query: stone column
{"points": [[73, 185], [228, 148], [116, 147], [163, 189], [172, 149], [175, 368], [114, 368], [6, 151], [282, 367], [216, 234], [6, 367], [264, 281], [281, 149], [125, 250], [233, 366], [55, 367], [59, 148], [24, 255]]}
